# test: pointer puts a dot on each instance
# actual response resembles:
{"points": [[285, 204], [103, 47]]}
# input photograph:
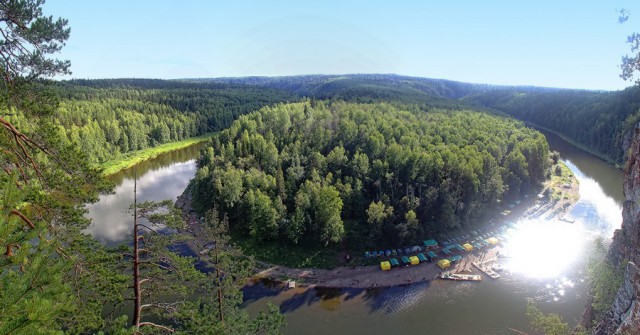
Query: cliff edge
{"points": [[624, 315]]}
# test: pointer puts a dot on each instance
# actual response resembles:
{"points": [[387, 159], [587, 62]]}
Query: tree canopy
{"points": [[294, 172]]}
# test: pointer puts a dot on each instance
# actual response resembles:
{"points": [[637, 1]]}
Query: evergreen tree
{"points": [[44, 182]]}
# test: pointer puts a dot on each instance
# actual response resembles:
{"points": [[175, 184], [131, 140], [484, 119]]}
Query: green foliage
{"points": [[217, 310], [29, 39], [549, 324], [34, 292], [44, 182], [606, 279], [597, 121], [419, 172], [110, 119]]}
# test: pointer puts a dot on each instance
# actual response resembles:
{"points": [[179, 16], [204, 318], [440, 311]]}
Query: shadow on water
{"points": [[261, 289], [184, 250], [378, 300], [394, 299], [328, 298]]}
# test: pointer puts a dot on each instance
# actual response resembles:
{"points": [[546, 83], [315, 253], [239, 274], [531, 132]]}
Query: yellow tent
{"points": [[414, 260], [492, 240], [444, 263], [385, 266], [467, 247]]}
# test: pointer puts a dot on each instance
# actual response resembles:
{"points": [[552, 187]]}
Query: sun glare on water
{"points": [[544, 249]]}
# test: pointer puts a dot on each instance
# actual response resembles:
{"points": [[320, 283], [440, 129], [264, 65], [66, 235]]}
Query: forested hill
{"points": [[107, 118], [291, 173], [110, 117], [599, 121], [364, 87], [602, 122]]}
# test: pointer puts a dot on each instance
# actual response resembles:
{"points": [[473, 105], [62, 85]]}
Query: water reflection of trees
{"points": [[379, 300], [159, 162]]}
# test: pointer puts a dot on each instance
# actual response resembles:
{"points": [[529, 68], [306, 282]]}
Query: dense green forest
{"points": [[598, 121], [107, 118], [294, 172]]}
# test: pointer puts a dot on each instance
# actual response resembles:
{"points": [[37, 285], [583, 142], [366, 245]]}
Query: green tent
{"points": [[394, 262], [421, 257], [430, 243]]}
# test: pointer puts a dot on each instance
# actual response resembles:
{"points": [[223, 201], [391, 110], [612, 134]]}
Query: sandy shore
{"points": [[373, 276]]}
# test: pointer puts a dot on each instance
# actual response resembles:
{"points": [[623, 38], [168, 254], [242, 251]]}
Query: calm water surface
{"points": [[548, 264], [164, 177]]}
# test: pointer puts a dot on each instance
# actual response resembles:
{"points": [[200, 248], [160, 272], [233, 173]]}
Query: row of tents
{"points": [[415, 260], [431, 255], [404, 260], [445, 263], [428, 244]]}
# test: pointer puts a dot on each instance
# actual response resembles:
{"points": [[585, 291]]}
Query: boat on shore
{"points": [[488, 271], [454, 276]]}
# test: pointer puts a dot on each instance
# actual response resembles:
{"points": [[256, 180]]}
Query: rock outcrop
{"points": [[624, 316]]}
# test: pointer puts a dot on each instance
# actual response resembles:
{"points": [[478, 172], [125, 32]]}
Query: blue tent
{"points": [[446, 251], [432, 254], [430, 243], [367, 254], [455, 258]]}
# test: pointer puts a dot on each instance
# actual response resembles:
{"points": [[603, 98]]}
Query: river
{"points": [[548, 265]]}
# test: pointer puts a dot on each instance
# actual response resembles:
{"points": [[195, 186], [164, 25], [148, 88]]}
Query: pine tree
{"points": [[44, 183]]}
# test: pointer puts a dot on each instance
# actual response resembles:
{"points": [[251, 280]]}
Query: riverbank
{"points": [[372, 276], [130, 159], [574, 143], [562, 192]]}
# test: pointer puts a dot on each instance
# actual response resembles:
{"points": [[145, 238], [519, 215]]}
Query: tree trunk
{"points": [[137, 299], [220, 309]]}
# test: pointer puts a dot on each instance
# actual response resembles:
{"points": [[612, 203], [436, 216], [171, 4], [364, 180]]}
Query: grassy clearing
{"points": [[563, 183], [130, 159]]}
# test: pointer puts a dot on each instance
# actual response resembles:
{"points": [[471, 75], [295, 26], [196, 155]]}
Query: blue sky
{"points": [[574, 44]]}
